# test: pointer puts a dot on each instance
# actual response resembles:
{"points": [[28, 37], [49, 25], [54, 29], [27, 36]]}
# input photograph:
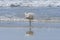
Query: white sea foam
{"points": [[34, 3], [17, 19]]}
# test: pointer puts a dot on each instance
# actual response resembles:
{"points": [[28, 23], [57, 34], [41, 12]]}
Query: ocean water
{"points": [[45, 12], [39, 12]]}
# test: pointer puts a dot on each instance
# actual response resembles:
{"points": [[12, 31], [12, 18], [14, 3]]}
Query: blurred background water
{"points": [[40, 13]]}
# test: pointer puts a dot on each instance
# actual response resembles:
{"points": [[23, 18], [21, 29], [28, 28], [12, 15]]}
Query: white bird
{"points": [[29, 15]]}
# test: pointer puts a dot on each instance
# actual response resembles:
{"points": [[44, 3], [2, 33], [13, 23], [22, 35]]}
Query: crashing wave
{"points": [[36, 3]]}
